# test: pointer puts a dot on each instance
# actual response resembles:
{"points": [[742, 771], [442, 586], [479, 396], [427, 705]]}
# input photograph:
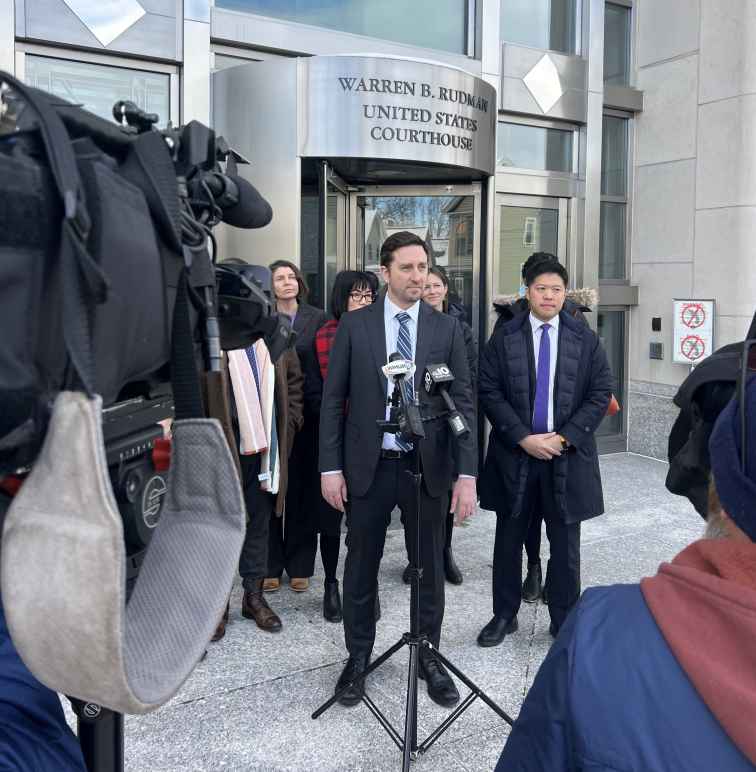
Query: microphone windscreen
{"points": [[252, 211]]}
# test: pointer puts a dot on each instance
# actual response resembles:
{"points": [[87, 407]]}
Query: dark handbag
{"points": [[90, 258]]}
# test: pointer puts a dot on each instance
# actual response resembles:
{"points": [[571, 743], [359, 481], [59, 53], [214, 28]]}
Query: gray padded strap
{"points": [[63, 564]]}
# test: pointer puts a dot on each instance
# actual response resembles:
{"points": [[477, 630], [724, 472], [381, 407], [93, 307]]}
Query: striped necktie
{"points": [[404, 347]]}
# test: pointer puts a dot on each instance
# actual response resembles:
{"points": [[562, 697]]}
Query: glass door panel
{"points": [[611, 331], [524, 229], [446, 223]]}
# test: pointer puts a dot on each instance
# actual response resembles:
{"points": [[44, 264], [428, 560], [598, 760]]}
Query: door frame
{"points": [[474, 189]]}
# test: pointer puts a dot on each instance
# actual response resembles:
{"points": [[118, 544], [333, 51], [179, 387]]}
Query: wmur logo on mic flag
{"points": [[398, 368]]}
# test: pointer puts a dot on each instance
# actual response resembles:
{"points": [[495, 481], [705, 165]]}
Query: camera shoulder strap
{"points": [[83, 283]]}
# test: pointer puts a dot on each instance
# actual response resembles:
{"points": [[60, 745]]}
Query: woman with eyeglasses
{"points": [[352, 290], [293, 539], [436, 295]]}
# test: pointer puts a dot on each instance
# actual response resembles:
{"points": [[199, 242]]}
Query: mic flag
{"points": [[398, 368], [436, 380]]}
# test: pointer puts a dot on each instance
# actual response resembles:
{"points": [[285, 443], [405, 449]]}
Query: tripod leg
{"points": [[471, 685], [368, 670], [410, 725]]}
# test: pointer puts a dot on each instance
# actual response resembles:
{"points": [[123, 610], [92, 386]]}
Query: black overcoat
{"points": [[506, 390]]}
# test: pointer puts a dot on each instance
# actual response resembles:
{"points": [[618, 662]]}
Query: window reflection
{"points": [[438, 24], [445, 223], [534, 147], [611, 331], [616, 45], [545, 24], [97, 87]]}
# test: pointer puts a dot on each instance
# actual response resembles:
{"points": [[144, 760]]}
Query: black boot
{"points": [[531, 587], [332, 602], [451, 570]]}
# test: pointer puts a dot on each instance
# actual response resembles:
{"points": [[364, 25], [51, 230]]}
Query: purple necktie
{"points": [[541, 404]]}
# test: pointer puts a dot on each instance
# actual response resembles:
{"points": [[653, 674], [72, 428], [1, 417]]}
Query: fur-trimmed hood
{"points": [[580, 300], [585, 297]]}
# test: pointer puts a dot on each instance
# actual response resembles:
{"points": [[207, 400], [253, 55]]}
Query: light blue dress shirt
{"points": [[391, 326], [536, 325]]}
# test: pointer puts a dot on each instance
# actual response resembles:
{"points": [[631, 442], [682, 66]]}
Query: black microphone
{"points": [[240, 202], [436, 380]]}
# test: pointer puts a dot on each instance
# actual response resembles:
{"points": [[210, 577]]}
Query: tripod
{"points": [[415, 641]]}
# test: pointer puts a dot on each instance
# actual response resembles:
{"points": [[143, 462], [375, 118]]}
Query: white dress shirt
{"points": [[391, 326], [536, 325]]}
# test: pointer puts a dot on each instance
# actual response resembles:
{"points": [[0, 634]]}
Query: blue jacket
{"points": [[34, 736], [611, 697]]}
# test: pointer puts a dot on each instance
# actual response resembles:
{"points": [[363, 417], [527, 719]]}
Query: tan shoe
{"points": [[271, 584], [299, 585]]}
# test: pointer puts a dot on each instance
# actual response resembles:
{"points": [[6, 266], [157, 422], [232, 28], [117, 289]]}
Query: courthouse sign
{"points": [[374, 107]]}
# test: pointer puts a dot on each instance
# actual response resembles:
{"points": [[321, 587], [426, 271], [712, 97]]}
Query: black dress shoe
{"points": [[496, 631], [531, 587], [332, 602], [451, 570], [441, 688], [406, 576], [354, 666]]}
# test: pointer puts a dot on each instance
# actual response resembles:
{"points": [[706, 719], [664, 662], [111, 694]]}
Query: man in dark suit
{"points": [[544, 385], [364, 471]]}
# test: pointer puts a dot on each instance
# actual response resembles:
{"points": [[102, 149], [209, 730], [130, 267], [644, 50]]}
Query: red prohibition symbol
{"points": [[693, 315], [693, 347]]}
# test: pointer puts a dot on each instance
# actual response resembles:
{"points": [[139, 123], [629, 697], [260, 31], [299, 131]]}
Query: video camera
{"points": [[115, 316], [185, 201]]}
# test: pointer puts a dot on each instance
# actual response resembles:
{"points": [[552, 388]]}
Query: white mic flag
{"points": [[398, 368]]}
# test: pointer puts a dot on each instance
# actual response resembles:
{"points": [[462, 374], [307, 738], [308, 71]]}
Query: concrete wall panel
{"points": [[663, 213], [727, 153], [725, 268], [666, 29], [728, 49], [658, 284], [666, 129]]}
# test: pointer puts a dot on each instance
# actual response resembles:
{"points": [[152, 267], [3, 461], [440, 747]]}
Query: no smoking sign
{"points": [[693, 315], [694, 330]]}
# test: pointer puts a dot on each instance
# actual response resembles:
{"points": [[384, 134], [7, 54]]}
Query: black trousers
{"points": [[533, 539], [368, 517], [563, 571], [253, 560], [293, 543], [448, 526]]}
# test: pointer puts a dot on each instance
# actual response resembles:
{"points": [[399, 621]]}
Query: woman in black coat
{"points": [[293, 538], [436, 292]]}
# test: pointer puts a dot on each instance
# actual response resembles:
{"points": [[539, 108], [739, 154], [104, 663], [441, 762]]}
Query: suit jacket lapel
{"points": [[376, 333], [426, 328]]}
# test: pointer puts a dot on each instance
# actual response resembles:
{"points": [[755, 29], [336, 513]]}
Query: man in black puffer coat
{"points": [[544, 385]]}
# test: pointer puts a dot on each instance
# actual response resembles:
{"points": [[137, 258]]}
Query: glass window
{"points": [[612, 241], [611, 331], [616, 45], [612, 260], [614, 157], [547, 24], [440, 24], [97, 87], [533, 147], [522, 231], [445, 223]]}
